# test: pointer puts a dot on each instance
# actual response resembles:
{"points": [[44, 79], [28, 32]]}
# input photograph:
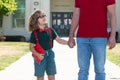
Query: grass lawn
{"points": [[114, 54], [11, 51]]}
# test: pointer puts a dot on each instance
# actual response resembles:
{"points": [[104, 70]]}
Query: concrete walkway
{"points": [[67, 68]]}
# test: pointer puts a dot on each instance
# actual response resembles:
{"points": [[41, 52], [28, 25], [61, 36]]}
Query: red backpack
{"points": [[39, 48]]}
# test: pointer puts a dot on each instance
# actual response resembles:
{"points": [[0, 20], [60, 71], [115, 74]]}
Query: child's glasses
{"points": [[42, 16]]}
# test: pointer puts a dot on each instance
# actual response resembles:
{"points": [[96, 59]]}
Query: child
{"points": [[38, 23]]}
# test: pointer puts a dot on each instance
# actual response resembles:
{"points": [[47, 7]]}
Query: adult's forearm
{"points": [[74, 24], [112, 14], [113, 25]]}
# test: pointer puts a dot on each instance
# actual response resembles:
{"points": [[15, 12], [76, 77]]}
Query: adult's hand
{"points": [[71, 42], [112, 42]]}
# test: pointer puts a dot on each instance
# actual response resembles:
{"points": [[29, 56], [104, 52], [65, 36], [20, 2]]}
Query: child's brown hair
{"points": [[33, 21]]}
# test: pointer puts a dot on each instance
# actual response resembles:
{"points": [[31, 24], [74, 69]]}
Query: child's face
{"points": [[42, 19]]}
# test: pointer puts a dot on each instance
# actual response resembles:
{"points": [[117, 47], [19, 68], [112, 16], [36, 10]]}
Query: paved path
{"points": [[67, 68]]}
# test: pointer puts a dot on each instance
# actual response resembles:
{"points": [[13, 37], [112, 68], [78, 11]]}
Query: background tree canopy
{"points": [[7, 7]]}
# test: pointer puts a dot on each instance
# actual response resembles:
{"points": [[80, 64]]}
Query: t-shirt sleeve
{"points": [[54, 34], [32, 38], [77, 3], [110, 2]]}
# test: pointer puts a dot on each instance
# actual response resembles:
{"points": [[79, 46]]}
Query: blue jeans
{"points": [[46, 65], [87, 47]]}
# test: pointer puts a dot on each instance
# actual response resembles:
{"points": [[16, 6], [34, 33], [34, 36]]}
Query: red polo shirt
{"points": [[93, 17]]}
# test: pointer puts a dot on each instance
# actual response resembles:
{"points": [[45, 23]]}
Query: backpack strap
{"points": [[36, 37]]}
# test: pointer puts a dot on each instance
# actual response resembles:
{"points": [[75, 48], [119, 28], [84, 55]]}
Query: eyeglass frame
{"points": [[41, 16]]}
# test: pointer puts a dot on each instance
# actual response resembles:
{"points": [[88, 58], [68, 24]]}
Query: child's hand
{"points": [[41, 56]]}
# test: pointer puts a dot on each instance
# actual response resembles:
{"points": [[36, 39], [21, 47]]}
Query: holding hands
{"points": [[71, 42]]}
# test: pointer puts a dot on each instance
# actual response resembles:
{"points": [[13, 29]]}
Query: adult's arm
{"points": [[74, 25], [112, 13]]}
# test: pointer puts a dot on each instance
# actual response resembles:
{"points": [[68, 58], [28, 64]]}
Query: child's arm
{"points": [[32, 49], [61, 41]]}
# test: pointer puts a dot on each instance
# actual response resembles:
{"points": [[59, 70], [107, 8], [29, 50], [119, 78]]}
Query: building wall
{"points": [[48, 6], [118, 18], [30, 7], [62, 5]]}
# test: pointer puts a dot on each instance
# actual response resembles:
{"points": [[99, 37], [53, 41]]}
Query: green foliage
{"points": [[7, 7]]}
